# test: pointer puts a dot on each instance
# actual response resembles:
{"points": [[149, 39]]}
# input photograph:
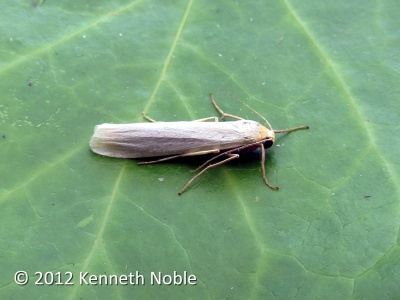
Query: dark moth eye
{"points": [[268, 144]]}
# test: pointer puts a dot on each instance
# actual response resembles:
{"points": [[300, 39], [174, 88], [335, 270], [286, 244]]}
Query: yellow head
{"points": [[268, 135]]}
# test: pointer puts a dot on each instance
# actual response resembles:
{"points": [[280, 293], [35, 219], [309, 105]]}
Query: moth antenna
{"points": [[256, 112]]}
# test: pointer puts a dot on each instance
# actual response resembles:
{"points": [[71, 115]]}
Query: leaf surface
{"points": [[331, 231]]}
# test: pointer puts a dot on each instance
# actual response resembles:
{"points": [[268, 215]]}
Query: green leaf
{"points": [[331, 231]]}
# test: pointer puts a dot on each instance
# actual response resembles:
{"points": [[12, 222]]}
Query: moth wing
{"points": [[138, 140]]}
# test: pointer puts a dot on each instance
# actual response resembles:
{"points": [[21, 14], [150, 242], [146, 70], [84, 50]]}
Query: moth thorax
{"points": [[267, 134]]}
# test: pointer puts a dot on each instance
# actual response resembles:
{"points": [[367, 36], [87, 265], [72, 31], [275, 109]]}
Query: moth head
{"points": [[268, 135]]}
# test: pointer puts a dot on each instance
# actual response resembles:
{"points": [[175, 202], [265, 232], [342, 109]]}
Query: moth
{"points": [[169, 140]]}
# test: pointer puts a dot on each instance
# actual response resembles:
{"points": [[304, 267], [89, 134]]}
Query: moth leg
{"points": [[230, 151], [179, 155], [224, 114], [206, 119], [202, 152], [230, 157], [158, 160], [148, 118], [199, 120], [274, 187]]}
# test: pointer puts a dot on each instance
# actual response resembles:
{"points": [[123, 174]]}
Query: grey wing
{"points": [[167, 138]]}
